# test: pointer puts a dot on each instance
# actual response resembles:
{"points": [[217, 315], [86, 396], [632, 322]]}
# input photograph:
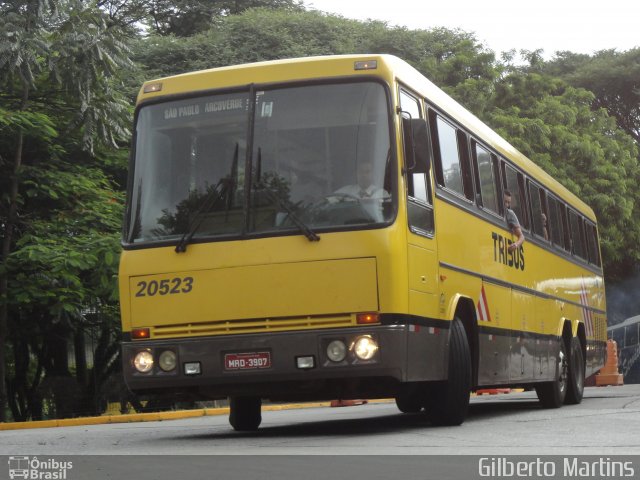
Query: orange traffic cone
{"points": [[609, 374]]}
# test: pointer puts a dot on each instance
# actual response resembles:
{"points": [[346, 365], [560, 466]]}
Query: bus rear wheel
{"points": [[245, 413], [575, 377], [448, 402], [552, 394]]}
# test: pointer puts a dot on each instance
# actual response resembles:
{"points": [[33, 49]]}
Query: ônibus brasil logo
{"points": [[36, 469]]}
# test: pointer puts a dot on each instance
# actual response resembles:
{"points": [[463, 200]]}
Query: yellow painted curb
{"points": [[144, 417], [155, 417]]}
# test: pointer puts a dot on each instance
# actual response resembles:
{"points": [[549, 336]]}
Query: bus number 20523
{"points": [[168, 286]]}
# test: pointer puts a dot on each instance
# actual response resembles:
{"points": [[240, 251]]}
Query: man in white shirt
{"points": [[366, 191]]}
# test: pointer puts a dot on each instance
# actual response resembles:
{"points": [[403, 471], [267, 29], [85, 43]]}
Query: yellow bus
{"points": [[334, 228]]}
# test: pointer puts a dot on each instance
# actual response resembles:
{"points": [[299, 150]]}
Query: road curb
{"points": [[144, 417], [156, 416]]}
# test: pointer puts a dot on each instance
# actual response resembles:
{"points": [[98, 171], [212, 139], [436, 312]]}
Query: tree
{"points": [[59, 62], [62, 281], [613, 77], [554, 125], [447, 57], [184, 18]]}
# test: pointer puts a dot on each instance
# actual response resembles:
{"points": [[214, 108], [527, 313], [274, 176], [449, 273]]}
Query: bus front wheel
{"points": [[552, 394], [410, 399], [447, 403], [245, 413]]}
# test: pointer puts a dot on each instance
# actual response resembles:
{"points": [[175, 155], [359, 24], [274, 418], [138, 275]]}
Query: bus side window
{"points": [[565, 226], [592, 244], [463, 148], [449, 160], [577, 235], [419, 205], [538, 215], [513, 181], [555, 222], [486, 179], [524, 199], [545, 215], [417, 182]]}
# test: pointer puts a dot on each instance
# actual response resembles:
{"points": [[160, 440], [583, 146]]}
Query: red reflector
{"points": [[367, 318], [140, 333]]}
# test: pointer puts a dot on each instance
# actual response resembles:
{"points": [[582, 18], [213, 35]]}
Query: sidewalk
{"points": [[145, 417], [156, 416]]}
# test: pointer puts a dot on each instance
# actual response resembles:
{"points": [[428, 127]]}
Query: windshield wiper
{"points": [[280, 203], [223, 189], [303, 227]]}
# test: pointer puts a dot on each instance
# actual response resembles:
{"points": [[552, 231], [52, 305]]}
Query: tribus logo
{"points": [[35, 469]]}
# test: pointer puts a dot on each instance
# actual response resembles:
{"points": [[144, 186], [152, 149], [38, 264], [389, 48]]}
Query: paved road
{"points": [[606, 423]]}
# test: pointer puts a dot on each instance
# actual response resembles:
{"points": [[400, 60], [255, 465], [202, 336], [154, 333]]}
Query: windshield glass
{"points": [[320, 159]]}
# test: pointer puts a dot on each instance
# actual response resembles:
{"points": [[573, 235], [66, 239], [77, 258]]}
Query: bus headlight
{"points": [[336, 351], [167, 360], [365, 347], [143, 361]]}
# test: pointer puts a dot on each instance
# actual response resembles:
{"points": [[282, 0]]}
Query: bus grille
{"points": [[227, 327]]}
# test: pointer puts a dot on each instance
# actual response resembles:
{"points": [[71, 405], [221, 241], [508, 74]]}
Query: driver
{"points": [[365, 188], [366, 191]]}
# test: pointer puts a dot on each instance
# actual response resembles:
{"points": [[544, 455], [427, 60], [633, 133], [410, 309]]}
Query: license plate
{"points": [[247, 361]]}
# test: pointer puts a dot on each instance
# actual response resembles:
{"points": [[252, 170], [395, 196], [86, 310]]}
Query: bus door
{"points": [[421, 249]]}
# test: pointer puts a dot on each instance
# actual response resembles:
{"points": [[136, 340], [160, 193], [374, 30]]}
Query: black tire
{"points": [[575, 383], [245, 413], [448, 402], [410, 400], [552, 394]]}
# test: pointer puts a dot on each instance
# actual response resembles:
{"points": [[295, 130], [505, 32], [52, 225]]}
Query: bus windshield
{"points": [[320, 157]]}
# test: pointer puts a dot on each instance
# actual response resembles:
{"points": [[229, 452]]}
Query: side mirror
{"points": [[416, 142]]}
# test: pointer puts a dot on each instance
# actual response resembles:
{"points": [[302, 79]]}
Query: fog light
{"points": [[336, 351], [365, 347], [192, 368], [143, 361], [167, 360], [305, 362]]}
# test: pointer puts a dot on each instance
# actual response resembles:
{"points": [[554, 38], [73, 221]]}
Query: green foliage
{"points": [[447, 57], [184, 18], [255, 35], [613, 77], [36, 123], [66, 257], [62, 113], [554, 125]]}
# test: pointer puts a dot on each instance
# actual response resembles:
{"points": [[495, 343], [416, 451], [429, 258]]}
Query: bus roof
{"points": [[389, 67]]}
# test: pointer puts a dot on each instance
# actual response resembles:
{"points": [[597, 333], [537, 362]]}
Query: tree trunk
{"points": [[79, 347], [6, 250]]}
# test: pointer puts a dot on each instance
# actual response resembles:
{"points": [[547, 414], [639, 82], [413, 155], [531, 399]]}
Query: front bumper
{"points": [[350, 378]]}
